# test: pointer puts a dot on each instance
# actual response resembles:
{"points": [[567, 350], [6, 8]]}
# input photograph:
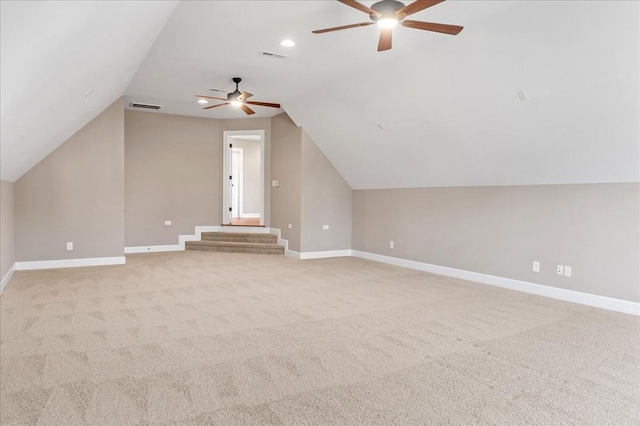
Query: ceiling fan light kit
{"points": [[238, 99], [388, 14]]}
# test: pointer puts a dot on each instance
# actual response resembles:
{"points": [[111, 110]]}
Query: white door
{"points": [[235, 185]]}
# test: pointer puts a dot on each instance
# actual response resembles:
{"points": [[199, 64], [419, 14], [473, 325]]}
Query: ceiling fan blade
{"points": [[385, 39], [244, 96], [246, 109], [211, 97], [361, 7], [429, 26], [267, 104], [344, 27], [416, 6], [213, 106]]}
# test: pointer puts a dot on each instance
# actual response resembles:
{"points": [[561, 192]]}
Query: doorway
{"points": [[243, 178]]}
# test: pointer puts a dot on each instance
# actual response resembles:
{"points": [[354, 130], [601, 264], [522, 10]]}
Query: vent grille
{"points": [[144, 106], [274, 55]]}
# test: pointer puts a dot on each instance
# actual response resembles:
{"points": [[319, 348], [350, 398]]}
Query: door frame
{"points": [[227, 138]]}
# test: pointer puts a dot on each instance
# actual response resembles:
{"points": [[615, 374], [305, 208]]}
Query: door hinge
{"points": [[229, 208], [230, 145], [230, 177]]}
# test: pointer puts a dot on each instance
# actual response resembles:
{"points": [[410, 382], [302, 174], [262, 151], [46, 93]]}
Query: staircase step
{"points": [[234, 247], [239, 237]]}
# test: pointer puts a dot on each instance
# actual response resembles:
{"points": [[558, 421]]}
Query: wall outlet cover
{"points": [[560, 270], [167, 222], [275, 183], [391, 244], [69, 246], [290, 226], [325, 227], [536, 266]]}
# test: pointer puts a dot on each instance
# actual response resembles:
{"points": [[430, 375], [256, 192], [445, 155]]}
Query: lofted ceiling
{"points": [[448, 104]]}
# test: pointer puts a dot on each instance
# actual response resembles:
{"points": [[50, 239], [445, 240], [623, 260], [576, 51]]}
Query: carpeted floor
{"points": [[196, 338]]}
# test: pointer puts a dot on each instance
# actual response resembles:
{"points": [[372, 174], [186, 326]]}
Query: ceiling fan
{"points": [[238, 99], [389, 13]]}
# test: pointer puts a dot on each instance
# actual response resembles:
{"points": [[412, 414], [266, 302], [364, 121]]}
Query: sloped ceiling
{"points": [[52, 54], [452, 115], [448, 104]]}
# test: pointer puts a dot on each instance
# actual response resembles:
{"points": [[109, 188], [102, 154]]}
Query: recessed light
{"points": [[203, 101], [287, 43]]}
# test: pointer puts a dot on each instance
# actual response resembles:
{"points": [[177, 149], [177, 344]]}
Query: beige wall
{"points": [[357, 223], [501, 230], [286, 157], [7, 228], [326, 200], [173, 171], [76, 194], [250, 174]]}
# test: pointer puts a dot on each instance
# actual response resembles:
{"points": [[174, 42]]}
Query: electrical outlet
{"points": [[560, 270], [167, 222], [290, 226], [536, 266], [567, 271], [391, 244], [69, 246], [325, 227]]}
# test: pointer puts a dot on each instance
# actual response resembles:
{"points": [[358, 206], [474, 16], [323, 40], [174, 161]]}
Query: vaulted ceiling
{"points": [[54, 53], [448, 104]]}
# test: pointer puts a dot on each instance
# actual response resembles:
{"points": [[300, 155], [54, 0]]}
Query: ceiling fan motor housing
{"points": [[386, 8], [233, 95]]}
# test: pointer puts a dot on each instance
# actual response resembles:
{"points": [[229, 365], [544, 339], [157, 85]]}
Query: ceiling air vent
{"points": [[144, 106], [274, 55]]}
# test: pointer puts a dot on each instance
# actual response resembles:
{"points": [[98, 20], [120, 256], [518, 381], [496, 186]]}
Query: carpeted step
{"points": [[238, 237], [234, 247]]}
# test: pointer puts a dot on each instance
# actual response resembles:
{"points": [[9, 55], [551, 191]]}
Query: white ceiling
{"points": [[448, 104], [51, 55]]}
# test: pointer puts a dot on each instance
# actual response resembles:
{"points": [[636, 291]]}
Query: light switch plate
{"points": [[290, 226], [325, 227], [275, 183], [167, 222], [391, 244], [567, 271], [69, 246], [536, 266]]}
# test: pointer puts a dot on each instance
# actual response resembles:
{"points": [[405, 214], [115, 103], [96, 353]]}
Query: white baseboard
{"points": [[250, 215], [69, 263], [325, 254], [153, 249], [312, 254], [7, 277], [292, 253], [182, 239], [603, 302]]}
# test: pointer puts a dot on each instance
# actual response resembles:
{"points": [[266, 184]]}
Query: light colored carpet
{"points": [[197, 338]]}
